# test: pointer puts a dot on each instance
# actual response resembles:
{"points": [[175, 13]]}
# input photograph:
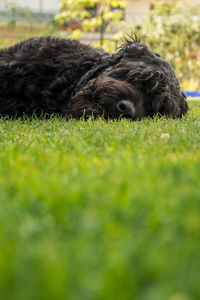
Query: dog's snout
{"points": [[126, 107]]}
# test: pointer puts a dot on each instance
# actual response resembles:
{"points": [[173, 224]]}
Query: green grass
{"points": [[100, 210]]}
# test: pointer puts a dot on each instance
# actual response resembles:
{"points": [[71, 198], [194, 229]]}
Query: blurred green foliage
{"points": [[91, 15], [14, 11], [173, 31]]}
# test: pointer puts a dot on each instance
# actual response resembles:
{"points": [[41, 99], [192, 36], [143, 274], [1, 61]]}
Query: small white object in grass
{"points": [[165, 136]]}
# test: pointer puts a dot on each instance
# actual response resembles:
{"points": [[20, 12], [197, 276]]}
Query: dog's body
{"points": [[51, 75]]}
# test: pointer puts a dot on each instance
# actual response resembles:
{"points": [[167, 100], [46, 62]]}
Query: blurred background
{"points": [[170, 27]]}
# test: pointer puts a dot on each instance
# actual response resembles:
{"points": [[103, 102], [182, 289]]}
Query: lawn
{"points": [[100, 210]]}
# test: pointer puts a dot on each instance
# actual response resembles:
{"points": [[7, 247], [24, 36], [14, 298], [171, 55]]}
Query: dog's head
{"points": [[108, 97], [137, 83]]}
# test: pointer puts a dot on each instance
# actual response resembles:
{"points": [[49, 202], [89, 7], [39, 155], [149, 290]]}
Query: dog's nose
{"points": [[126, 108]]}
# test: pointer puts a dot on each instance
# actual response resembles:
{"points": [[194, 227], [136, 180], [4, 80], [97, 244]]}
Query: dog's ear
{"points": [[83, 111], [93, 110], [82, 105], [165, 104], [183, 104]]}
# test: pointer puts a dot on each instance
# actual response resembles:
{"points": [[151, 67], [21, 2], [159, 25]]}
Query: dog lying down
{"points": [[49, 75]]}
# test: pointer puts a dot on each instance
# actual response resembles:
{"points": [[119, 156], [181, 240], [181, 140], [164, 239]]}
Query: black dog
{"points": [[50, 75]]}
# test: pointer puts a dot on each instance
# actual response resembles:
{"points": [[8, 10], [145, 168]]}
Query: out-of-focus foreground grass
{"points": [[100, 210]]}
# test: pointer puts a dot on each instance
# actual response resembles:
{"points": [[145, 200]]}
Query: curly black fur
{"points": [[51, 75]]}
